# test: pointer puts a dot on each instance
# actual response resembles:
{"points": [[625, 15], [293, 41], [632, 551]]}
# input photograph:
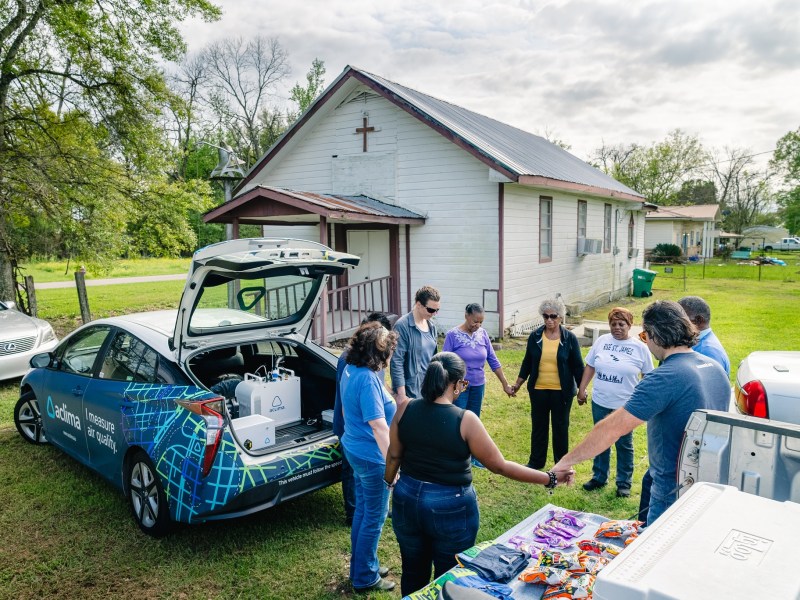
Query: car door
{"points": [[68, 385], [127, 364]]}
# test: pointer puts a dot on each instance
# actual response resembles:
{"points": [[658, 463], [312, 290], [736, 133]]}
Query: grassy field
{"points": [[47, 271], [66, 533]]}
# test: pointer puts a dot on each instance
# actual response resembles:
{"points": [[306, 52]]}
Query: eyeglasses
{"points": [[643, 336], [431, 311], [545, 316]]}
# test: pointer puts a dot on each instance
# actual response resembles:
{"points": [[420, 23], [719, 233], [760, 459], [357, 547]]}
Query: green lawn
{"points": [[46, 271], [66, 532]]}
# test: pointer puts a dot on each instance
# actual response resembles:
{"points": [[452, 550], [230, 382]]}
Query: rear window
{"points": [[251, 303]]}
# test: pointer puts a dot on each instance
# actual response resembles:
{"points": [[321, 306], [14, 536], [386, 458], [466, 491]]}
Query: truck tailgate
{"points": [[755, 455]]}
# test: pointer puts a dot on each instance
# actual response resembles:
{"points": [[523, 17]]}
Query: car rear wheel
{"points": [[28, 419], [146, 496]]}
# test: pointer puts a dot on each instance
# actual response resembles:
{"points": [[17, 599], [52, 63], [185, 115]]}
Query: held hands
{"points": [[583, 396], [510, 390]]}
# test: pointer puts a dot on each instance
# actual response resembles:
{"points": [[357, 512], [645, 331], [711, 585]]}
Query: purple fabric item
{"points": [[475, 350]]}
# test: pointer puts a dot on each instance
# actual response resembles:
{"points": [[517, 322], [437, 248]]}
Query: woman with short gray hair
{"points": [[553, 367]]}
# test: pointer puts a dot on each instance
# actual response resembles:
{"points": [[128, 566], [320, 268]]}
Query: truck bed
{"points": [[755, 455]]}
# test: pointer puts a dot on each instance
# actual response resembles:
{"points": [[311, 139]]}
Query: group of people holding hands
{"points": [[420, 441]]}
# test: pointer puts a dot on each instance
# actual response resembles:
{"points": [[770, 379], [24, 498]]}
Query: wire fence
{"points": [[754, 267]]}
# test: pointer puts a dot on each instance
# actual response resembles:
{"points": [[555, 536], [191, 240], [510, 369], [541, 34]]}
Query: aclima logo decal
{"points": [[62, 414]]}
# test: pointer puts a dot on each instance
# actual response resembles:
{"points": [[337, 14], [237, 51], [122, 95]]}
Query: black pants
{"points": [[547, 404], [644, 503]]}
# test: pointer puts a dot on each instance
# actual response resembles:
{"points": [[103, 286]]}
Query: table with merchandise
{"points": [[553, 554]]}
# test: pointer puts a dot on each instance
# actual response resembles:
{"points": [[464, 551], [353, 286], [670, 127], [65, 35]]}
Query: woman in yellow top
{"points": [[553, 367]]}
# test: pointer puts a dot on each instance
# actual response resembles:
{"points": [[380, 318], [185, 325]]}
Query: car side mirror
{"points": [[39, 361]]}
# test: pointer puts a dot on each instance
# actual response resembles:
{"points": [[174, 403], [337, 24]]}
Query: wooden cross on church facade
{"points": [[365, 130]]}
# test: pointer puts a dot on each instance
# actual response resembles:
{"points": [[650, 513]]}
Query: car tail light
{"points": [[752, 399], [211, 411]]}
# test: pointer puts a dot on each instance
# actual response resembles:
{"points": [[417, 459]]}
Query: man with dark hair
{"points": [[699, 313], [348, 485], [416, 345], [665, 398]]}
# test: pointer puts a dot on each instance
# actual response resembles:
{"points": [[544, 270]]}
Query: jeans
{"points": [[624, 448], [348, 490], [432, 524], [471, 399], [372, 505], [544, 404]]}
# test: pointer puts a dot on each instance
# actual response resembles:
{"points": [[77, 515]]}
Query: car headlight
{"points": [[48, 334]]}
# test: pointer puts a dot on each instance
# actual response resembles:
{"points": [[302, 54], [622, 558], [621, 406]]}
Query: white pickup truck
{"points": [[787, 243]]}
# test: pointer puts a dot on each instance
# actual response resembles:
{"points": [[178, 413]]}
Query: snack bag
{"points": [[570, 561], [547, 575], [599, 548], [618, 529], [577, 587]]}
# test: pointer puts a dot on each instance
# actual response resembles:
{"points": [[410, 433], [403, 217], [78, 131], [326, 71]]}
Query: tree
{"points": [[243, 76], [658, 171], [696, 191], [744, 191], [80, 92], [315, 83], [786, 161]]}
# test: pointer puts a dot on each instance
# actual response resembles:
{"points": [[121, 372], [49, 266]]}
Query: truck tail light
{"points": [[211, 411], [751, 399]]}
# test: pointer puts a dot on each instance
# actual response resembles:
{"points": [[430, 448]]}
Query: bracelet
{"points": [[553, 480], [388, 485]]}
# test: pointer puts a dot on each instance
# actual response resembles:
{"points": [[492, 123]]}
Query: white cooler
{"points": [[255, 432], [278, 399], [714, 542]]}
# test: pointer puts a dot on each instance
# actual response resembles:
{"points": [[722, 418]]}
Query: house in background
{"points": [[692, 228], [431, 193]]}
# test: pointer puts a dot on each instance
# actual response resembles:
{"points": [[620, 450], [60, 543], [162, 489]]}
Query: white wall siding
{"points": [[591, 279], [658, 232]]}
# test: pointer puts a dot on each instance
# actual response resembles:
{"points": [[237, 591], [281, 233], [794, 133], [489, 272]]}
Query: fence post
{"points": [[30, 291], [83, 298]]}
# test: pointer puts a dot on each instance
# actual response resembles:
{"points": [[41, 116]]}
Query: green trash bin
{"points": [[643, 282]]}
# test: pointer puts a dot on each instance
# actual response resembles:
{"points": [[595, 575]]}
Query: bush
{"points": [[666, 251]]}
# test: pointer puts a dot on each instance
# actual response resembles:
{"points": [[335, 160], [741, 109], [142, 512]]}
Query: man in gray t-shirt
{"points": [[665, 398]]}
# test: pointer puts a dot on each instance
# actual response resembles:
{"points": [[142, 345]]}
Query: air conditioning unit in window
{"points": [[633, 252], [589, 246]]}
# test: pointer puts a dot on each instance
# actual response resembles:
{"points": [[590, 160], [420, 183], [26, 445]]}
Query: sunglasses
{"points": [[431, 311], [545, 316], [643, 336]]}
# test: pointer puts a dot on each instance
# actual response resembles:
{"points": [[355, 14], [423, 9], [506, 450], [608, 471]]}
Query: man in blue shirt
{"points": [[665, 398], [699, 313]]}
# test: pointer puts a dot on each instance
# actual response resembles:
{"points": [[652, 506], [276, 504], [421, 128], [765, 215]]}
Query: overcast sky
{"points": [[586, 71]]}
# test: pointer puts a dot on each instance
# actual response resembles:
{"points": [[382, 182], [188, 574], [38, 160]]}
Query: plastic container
{"points": [[643, 282], [254, 432]]}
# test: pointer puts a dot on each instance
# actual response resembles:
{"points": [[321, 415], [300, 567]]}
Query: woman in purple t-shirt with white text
{"points": [[471, 342]]}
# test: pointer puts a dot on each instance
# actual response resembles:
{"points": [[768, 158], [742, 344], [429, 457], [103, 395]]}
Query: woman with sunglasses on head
{"points": [[616, 362], [434, 506], [553, 367], [416, 344]]}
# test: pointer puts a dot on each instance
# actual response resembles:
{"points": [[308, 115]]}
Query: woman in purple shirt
{"points": [[471, 342]]}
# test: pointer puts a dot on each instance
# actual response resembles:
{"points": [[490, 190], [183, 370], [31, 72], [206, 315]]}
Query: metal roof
{"points": [[696, 212], [518, 151], [359, 204]]}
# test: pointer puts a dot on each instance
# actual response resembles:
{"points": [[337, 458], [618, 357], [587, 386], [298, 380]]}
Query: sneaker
{"points": [[477, 464], [381, 585], [623, 492], [592, 485], [383, 571]]}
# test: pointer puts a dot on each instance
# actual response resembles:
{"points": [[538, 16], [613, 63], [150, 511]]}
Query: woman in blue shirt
{"points": [[368, 411]]}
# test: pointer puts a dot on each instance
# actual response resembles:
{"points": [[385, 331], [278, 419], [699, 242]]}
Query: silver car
{"points": [[21, 337]]}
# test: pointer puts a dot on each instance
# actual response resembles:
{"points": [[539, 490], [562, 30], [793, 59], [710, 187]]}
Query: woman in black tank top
{"points": [[434, 506]]}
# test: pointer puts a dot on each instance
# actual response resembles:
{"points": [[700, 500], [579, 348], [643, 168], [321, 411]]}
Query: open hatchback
{"points": [[212, 411]]}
